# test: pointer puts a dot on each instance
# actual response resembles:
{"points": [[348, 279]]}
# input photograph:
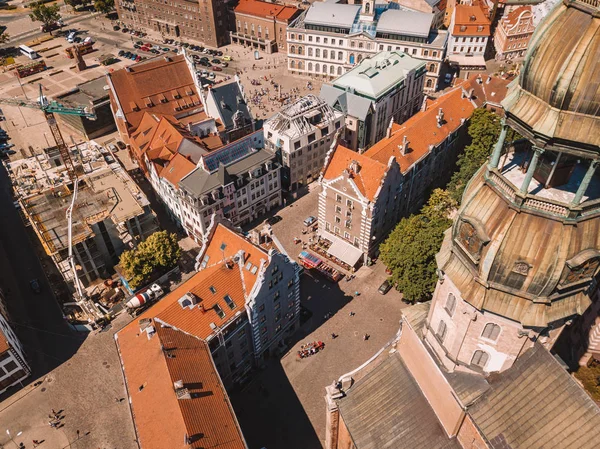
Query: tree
{"points": [[409, 251], [47, 14], [160, 251], [484, 130], [104, 6]]}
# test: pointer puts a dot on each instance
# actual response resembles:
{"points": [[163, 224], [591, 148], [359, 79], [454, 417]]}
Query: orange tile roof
{"points": [[369, 177], [422, 130], [178, 167], [513, 17], [151, 367], [4, 345], [225, 243], [470, 17], [266, 9], [152, 86]]}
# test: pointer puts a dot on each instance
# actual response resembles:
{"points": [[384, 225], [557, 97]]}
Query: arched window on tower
{"points": [[450, 304], [429, 83], [480, 358], [491, 331], [441, 331]]}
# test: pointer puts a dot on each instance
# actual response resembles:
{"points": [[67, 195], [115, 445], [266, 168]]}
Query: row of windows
{"points": [[479, 358]]}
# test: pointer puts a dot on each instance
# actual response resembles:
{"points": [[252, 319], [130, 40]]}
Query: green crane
{"points": [[49, 108]]}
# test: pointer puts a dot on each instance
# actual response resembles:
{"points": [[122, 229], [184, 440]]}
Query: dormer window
{"points": [[580, 268], [471, 237]]}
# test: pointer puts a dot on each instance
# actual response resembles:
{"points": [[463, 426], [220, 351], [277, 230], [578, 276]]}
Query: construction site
{"points": [[110, 213]]}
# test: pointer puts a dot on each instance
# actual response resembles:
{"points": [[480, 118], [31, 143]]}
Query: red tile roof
{"points": [[422, 130], [491, 90], [153, 86], [369, 177], [267, 10], [471, 18], [151, 366]]}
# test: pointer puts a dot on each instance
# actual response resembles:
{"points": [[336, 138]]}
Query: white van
{"points": [[71, 37]]}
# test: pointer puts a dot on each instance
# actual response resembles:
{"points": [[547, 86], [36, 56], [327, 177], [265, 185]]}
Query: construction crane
{"points": [[49, 108]]}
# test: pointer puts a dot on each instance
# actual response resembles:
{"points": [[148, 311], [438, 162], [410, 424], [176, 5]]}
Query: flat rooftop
{"points": [[410, 23], [332, 14]]}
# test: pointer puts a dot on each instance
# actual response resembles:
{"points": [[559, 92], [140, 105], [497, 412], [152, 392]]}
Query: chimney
{"points": [[404, 146], [440, 118], [489, 78], [128, 69], [355, 166], [167, 59], [471, 93], [479, 80], [388, 133]]}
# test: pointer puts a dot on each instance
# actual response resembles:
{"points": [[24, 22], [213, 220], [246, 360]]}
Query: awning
{"points": [[467, 61], [310, 260], [341, 249]]}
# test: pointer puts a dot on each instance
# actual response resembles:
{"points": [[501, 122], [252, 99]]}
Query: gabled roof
{"points": [[369, 177], [225, 243], [387, 409], [178, 167], [488, 89], [536, 404], [151, 365], [422, 130], [266, 10], [471, 18], [229, 100], [152, 86], [346, 102]]}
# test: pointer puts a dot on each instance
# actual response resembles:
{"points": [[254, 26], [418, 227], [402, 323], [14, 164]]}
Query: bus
{"points": [[30, 53]]}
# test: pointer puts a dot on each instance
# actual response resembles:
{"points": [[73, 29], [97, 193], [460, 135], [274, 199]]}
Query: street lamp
{"points": [[11, 438]]}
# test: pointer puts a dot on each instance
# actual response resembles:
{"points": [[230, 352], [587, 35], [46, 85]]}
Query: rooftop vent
{"points": [[168, 59], [183, 393], [473, 18], [440, 118], [178, 384], [189, 300], [404, 146], [355, 166]]}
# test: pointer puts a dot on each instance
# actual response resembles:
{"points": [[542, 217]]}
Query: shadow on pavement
{"points": [[270, 413]]}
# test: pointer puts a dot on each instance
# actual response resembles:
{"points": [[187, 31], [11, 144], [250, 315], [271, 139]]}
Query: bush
{"points": [[589, 376]]}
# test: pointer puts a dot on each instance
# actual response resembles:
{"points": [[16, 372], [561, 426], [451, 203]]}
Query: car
{"points": [[217, 68], [165, 49], [216, 61], [136, 46], [274, 219], [121, 145], [155, 51], [139, 42], [185, 44], [309, 221], [71, 37], [224, 64], [138, 58], [211, 76], [124, 30], [133, 56], [227, 58], [77, 40], [385, 287], [204, 63], [88, 40], [116, 28], [204, 73], [121, 53], [35, 285], [218, 53]]}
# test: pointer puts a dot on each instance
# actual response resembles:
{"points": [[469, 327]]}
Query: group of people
{"points": [[309, 349]]}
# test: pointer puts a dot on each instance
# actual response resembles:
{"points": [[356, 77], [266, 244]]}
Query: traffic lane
{"points": [[38, 319]]}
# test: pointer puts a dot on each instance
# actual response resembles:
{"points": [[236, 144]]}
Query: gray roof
{"points": [[200, 182], [416, 315], [386, 409], [410, 23], [345, 102], [536, 404], [432, 3], [468, 386], [229, 100], [85, 93], [332, 14]]}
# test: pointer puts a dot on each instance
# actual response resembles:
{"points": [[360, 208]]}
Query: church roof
{"points": [[557, 96], [536, 404]]}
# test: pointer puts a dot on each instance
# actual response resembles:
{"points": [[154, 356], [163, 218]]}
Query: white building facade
{"points": [[387, 86], [330, 38], [302, 132]]}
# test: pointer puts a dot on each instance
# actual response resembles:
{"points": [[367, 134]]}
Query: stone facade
{"points": [[206, 22], [512, 35]]}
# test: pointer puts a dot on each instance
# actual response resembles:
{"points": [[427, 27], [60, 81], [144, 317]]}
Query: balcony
{"points": [[556, 201]]}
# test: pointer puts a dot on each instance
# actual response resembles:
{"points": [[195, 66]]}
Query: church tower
{"points": [[522, 256]]}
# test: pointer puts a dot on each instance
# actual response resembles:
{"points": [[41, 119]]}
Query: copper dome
{"points": [[556, 100]]}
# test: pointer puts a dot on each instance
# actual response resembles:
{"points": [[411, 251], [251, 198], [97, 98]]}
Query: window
{"points": [[338, 220], [491, 331], [310, 51], [338, 209], [450, 304], [480, 358], [338, 198], [349, 204], [325, 53], [229, 301], [10, 366], [318, 53], [441, 332], [217, 308]]}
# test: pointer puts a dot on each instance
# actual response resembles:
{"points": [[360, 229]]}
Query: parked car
{"points": [[227, 58], [385, 287], [211, 76], [116, 28], [309, 221], [124, 30], [121, 145], [139, 42], [274, 219], [35, 285], [216, 68], [216, 61], [204, 63]]}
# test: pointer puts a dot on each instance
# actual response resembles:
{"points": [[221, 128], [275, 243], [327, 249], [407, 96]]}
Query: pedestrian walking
{"points": [[334, 336], [352, 313], [366, 337], [36, 443]]}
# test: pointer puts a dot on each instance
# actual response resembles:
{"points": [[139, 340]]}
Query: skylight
{"points": [[217, 308], [229, 301], [212, 289]]}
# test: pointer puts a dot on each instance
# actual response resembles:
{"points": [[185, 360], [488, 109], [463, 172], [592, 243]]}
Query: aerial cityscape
{"points": [[315, 224]]}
